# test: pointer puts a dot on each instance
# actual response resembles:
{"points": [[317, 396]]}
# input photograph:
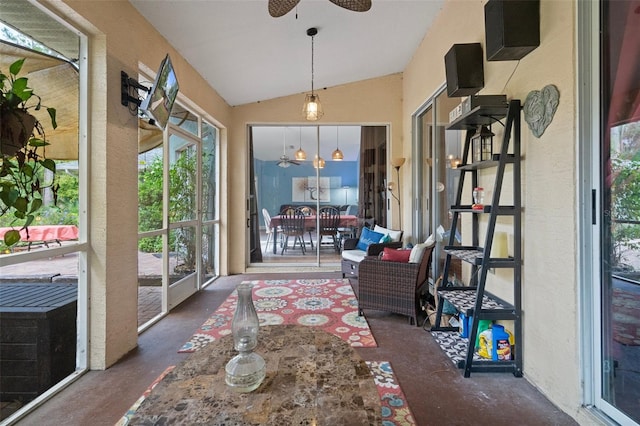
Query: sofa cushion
{"points": [[354, 255], [395, 235], [395, 255], [417, 251], [368, 237]]}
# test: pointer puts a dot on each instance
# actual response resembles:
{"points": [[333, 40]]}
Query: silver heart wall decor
{"points": [[539, 108]]}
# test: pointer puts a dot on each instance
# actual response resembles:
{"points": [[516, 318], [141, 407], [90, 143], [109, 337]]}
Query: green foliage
{"points": [[150, 245], [182, 188], [15, 94], [181, 206], [182, 201], [22, 183], [150, 196], [625, 194], [22, 173]]}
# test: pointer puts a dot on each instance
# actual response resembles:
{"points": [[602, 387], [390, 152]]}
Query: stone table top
{"points": [[312, 378]]}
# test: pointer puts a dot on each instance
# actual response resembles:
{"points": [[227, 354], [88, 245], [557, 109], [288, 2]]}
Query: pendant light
{"points": [[318, 163], [312, 109], [300, 154], [337, 154]]}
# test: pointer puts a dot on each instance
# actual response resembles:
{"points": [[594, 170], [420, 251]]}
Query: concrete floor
{"points": [[436, 391]]}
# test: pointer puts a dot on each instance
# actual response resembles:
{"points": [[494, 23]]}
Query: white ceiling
{"points": [[248, 56]]}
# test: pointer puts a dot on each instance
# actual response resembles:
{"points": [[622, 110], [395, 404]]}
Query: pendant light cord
{"points": [[312, 37]]}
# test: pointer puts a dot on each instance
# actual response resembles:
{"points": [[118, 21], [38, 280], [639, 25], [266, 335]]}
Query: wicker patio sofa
{"points": [[393, 286]]}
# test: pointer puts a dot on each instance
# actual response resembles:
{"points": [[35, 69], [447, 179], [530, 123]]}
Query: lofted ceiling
{"points": [[248, 56]]}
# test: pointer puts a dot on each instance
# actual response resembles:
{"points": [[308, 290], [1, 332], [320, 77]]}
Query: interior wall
{"points": [[275, 184], [369, 102], [549, 280], [120, 39]]}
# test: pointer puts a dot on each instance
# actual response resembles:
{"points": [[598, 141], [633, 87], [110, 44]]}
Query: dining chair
{"points": [[292, 224], [329, 218], [348, 231], [309, 211], [269, 227]]}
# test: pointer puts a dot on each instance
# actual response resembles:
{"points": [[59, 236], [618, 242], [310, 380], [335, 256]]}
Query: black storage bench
{"points": [[37, 338]]}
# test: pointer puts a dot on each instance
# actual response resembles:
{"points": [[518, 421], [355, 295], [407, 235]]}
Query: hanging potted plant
{"points": [[22, 165]]}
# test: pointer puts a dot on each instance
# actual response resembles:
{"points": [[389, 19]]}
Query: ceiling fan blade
{"points": [[279, 8], [294, 162], [354, 5]]}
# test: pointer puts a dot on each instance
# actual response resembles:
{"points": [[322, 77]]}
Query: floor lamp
{"points": [[397, 163]]}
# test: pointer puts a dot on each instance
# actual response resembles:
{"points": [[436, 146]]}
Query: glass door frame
{"points": [[422, 192], [175, 293], [306, 261], [589, 246], [432, 165]]}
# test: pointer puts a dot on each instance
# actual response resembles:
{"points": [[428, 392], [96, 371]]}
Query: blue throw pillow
{"points": [[386, 239], [368, 237]]}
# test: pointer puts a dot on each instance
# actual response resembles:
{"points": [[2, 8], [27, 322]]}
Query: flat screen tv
{"points": [[159, 103]]}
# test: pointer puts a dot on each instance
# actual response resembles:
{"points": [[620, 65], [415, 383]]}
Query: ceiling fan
{"points": [[279, 8], [285, 161]]}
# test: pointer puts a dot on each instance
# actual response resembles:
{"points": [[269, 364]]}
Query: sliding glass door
{"points": [[437, 153], [618, 393], [307, 167]]}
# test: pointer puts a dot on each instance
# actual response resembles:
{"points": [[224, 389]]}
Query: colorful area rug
{"points": [[626, 317], [132, 410], [326, 303], [395, 410]]}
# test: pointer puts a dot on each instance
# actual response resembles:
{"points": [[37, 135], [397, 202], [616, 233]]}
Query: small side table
{"points": [[312, 377]]}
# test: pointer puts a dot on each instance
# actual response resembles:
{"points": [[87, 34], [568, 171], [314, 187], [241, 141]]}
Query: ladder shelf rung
{"points": [[495, 160], [469, 254], [475, 256], [481, 115], [499, 210], [465, 301]]}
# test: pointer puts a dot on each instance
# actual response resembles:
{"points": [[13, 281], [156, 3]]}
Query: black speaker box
{"points": [[464, 69], [512, 28]]}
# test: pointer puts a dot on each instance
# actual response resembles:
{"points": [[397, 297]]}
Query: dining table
{"points": [[311, 223], [312, 378]]}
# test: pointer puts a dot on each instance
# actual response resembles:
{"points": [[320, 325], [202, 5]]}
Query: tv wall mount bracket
{"points": [[126, 83]]}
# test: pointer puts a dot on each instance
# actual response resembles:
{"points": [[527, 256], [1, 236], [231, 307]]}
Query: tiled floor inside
{"points": [[435, 389]]}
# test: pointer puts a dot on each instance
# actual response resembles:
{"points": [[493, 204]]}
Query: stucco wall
{"points": [[551, 359], [120, 39], [369, 102]]}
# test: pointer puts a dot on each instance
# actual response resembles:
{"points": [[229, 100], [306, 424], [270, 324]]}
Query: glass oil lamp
{"points": [[245, 371]]}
